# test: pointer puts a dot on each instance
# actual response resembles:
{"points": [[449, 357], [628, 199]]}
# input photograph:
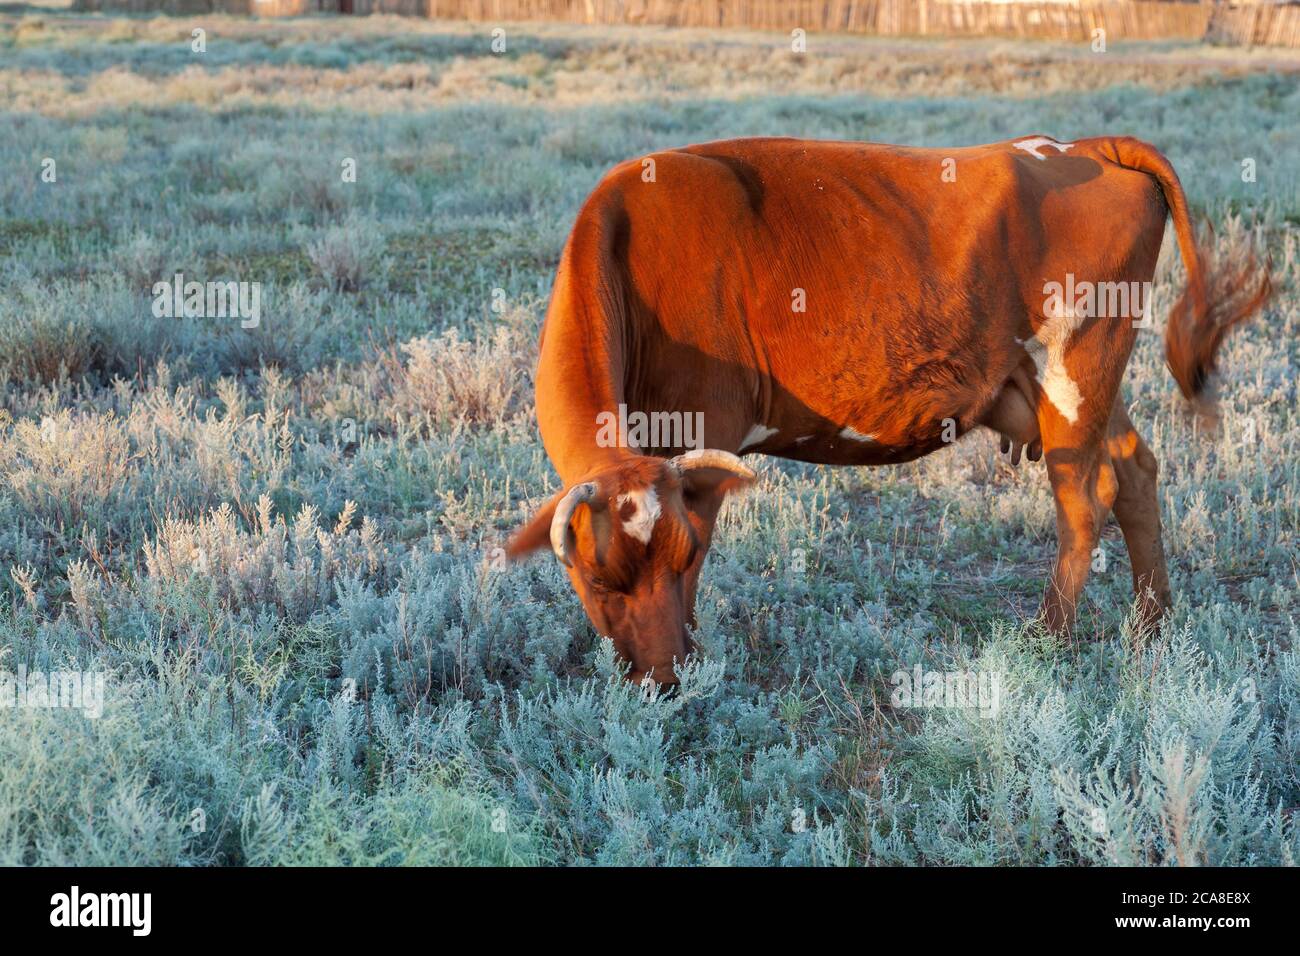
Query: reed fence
{"points": [[1246, 24]]}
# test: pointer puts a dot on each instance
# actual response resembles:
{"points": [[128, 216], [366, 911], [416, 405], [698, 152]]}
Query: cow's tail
{"points": [[1219, 294]]}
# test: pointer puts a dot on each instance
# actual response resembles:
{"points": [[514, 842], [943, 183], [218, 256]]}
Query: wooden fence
{"points": [[1222, 22], [1255, 23], [1131, 19]]}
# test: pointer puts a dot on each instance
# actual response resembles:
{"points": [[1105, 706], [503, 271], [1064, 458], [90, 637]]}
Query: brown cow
{"points": [[856, 304]]}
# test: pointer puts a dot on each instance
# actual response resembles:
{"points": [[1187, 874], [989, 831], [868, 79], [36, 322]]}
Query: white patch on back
{"points": [[1047, 348], [1031, 146], [756, 435], [642, 523], [854, 435]]}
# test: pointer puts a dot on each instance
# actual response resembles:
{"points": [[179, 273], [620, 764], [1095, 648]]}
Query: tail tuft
{"points": [[1219, 294], [1226, 292]]}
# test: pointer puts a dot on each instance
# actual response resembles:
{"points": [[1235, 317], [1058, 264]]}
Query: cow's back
{"points": [[857, 295]]}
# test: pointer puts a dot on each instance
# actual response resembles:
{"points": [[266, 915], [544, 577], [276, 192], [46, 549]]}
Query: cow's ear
{"points": [[714, 483], [535, 534], [704, 482]]}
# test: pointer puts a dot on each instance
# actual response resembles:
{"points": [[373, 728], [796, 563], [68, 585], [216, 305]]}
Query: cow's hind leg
{"points": [[1078, 383], [1078, 392], [1084, 486], [1137, 509]]}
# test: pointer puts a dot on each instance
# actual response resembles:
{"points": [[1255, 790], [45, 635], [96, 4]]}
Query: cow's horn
{"points": [[711, 458], [578, 494]]}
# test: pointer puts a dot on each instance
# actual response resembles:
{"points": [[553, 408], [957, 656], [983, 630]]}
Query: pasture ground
{"points": [[277, 543]]}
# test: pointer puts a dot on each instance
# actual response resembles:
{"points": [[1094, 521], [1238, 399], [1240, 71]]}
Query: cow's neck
{"points": [[580, 378]]}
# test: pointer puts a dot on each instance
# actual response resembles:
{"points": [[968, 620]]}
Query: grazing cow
{"points": [[856, 304]]}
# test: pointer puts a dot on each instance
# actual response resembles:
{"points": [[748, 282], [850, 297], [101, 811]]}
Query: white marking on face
{"points": [[1047, 348], [756, 435], [641, 523], [1031, 146], [854, 435]]}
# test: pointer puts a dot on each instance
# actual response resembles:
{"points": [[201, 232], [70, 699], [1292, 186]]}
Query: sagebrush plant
{"points": [[346, 255], [280, 545]]}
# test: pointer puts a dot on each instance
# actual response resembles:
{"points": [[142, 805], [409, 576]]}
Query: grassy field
{"points": [[277, 543]]}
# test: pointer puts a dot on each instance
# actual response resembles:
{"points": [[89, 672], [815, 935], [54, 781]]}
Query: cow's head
{"points": [[633, 537]]}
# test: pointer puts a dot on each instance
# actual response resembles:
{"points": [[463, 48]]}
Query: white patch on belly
{"points": [[1031, 146], [1047, 348], [854, 435], [756, 436], [642, 523]]}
